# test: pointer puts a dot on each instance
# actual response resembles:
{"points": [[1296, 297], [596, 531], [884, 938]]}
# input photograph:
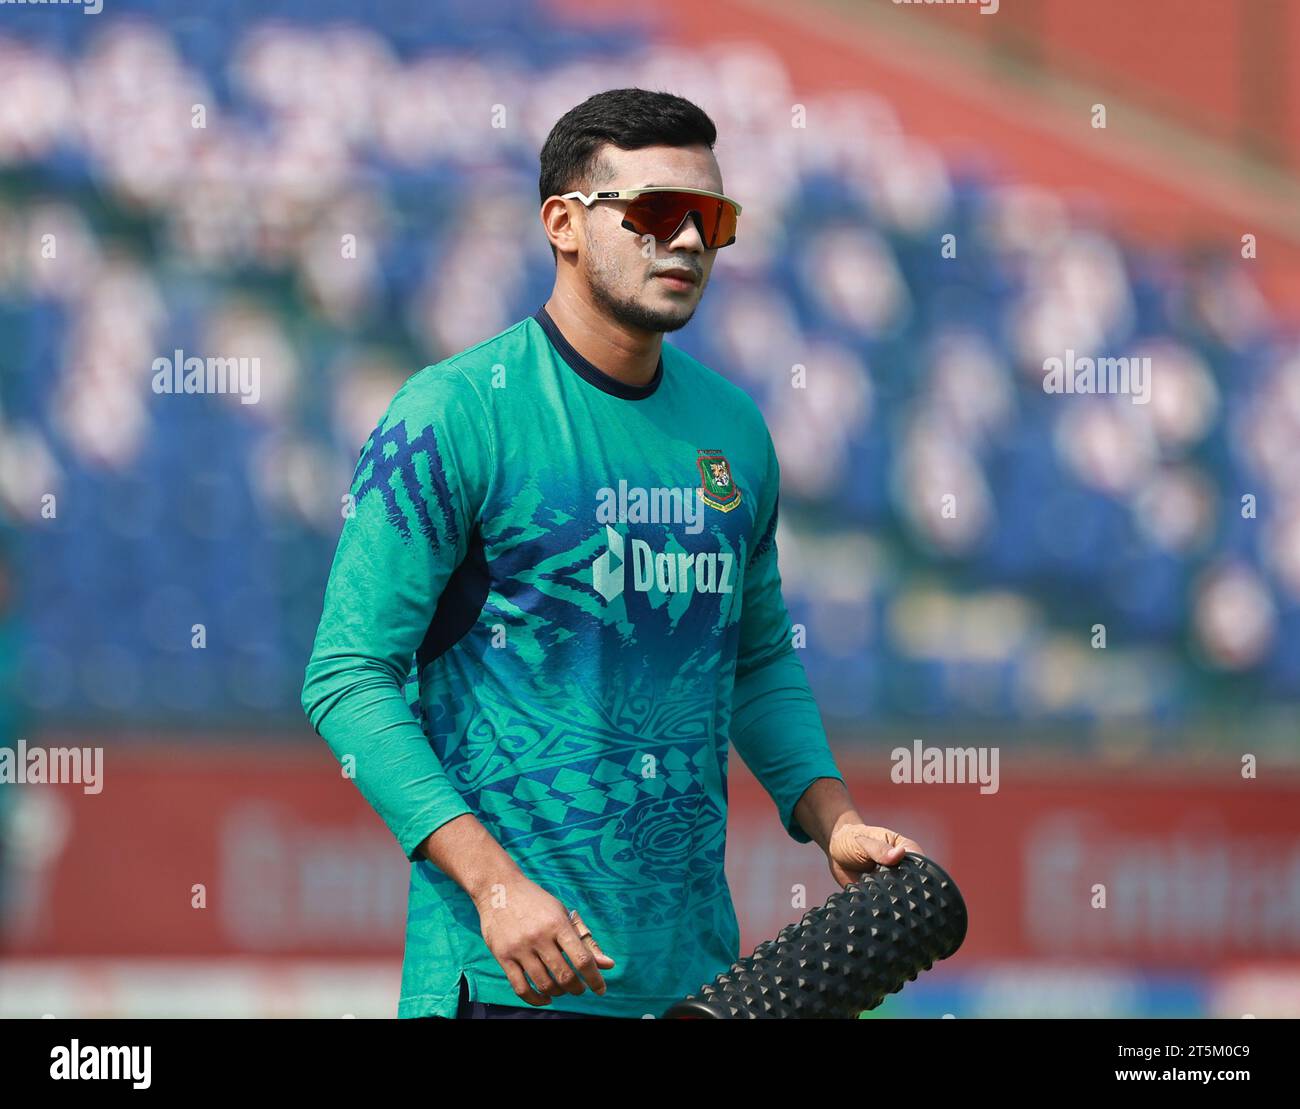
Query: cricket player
{"points": [[565, 536]]}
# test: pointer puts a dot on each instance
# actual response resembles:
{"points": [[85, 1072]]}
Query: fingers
{"points": [[843, 877], [563, 977], [552, 974], [899, 847], [858, 849], [584, 933], [871, 850], [518, 983], [584, 953], [540, 975], [544, 950], [864, 846]]}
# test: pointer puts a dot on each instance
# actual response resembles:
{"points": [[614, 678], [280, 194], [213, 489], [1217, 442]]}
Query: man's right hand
{"points": [[529, 933]]}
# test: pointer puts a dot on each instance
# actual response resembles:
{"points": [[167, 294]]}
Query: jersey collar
{"points": [[588, 371]]}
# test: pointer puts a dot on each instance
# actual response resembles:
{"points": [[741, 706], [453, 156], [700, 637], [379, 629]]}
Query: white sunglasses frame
{"points": [[632, 194]]}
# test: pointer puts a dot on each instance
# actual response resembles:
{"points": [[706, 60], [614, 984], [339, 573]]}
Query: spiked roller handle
{"points": [[845, 956]]}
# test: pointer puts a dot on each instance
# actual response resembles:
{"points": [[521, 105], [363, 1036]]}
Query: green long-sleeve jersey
{"points": [[581, 575]]}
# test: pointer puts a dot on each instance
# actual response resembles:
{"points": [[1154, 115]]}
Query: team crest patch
{"points": [[717, 488]]}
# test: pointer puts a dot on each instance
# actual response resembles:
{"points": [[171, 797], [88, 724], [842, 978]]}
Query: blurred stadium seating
{"points": [[922, 375]]}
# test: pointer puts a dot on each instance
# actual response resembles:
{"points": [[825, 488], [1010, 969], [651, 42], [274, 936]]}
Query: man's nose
{"points": [[689, 234]]}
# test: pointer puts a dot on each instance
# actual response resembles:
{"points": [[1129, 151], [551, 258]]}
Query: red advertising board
{"points": [[202, 851]]}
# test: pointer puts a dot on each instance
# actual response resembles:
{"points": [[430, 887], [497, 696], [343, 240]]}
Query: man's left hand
{"points": [[855, 849]]}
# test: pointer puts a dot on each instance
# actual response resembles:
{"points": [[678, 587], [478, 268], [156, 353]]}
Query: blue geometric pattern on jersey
{"points": [[391, 453]]}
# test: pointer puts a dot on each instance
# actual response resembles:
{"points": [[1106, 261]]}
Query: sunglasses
{"points": [[660, 211]]}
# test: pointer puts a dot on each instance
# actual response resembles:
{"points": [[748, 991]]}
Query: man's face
{"points": [[626, 271]]}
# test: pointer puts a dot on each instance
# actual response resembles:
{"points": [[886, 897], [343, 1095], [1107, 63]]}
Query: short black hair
{"points": [[626, 118]]}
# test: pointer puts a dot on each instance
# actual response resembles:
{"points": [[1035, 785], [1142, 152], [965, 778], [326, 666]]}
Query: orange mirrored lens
{"points": [[661, 214]]}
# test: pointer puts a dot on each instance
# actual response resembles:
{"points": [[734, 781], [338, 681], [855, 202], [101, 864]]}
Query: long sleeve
{"points": [[419, 485], [775, 723]]}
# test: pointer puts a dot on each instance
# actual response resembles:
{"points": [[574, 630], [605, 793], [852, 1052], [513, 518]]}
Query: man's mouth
{"points": [[678, 279]]}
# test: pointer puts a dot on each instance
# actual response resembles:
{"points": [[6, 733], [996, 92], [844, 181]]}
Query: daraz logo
{"points": [[669, 571]]}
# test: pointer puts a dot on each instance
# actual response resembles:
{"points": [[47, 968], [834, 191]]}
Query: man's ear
{"points": [[561, 230]]}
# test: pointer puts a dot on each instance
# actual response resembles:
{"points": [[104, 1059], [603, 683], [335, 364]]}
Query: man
{"points": [[570, 526]]}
